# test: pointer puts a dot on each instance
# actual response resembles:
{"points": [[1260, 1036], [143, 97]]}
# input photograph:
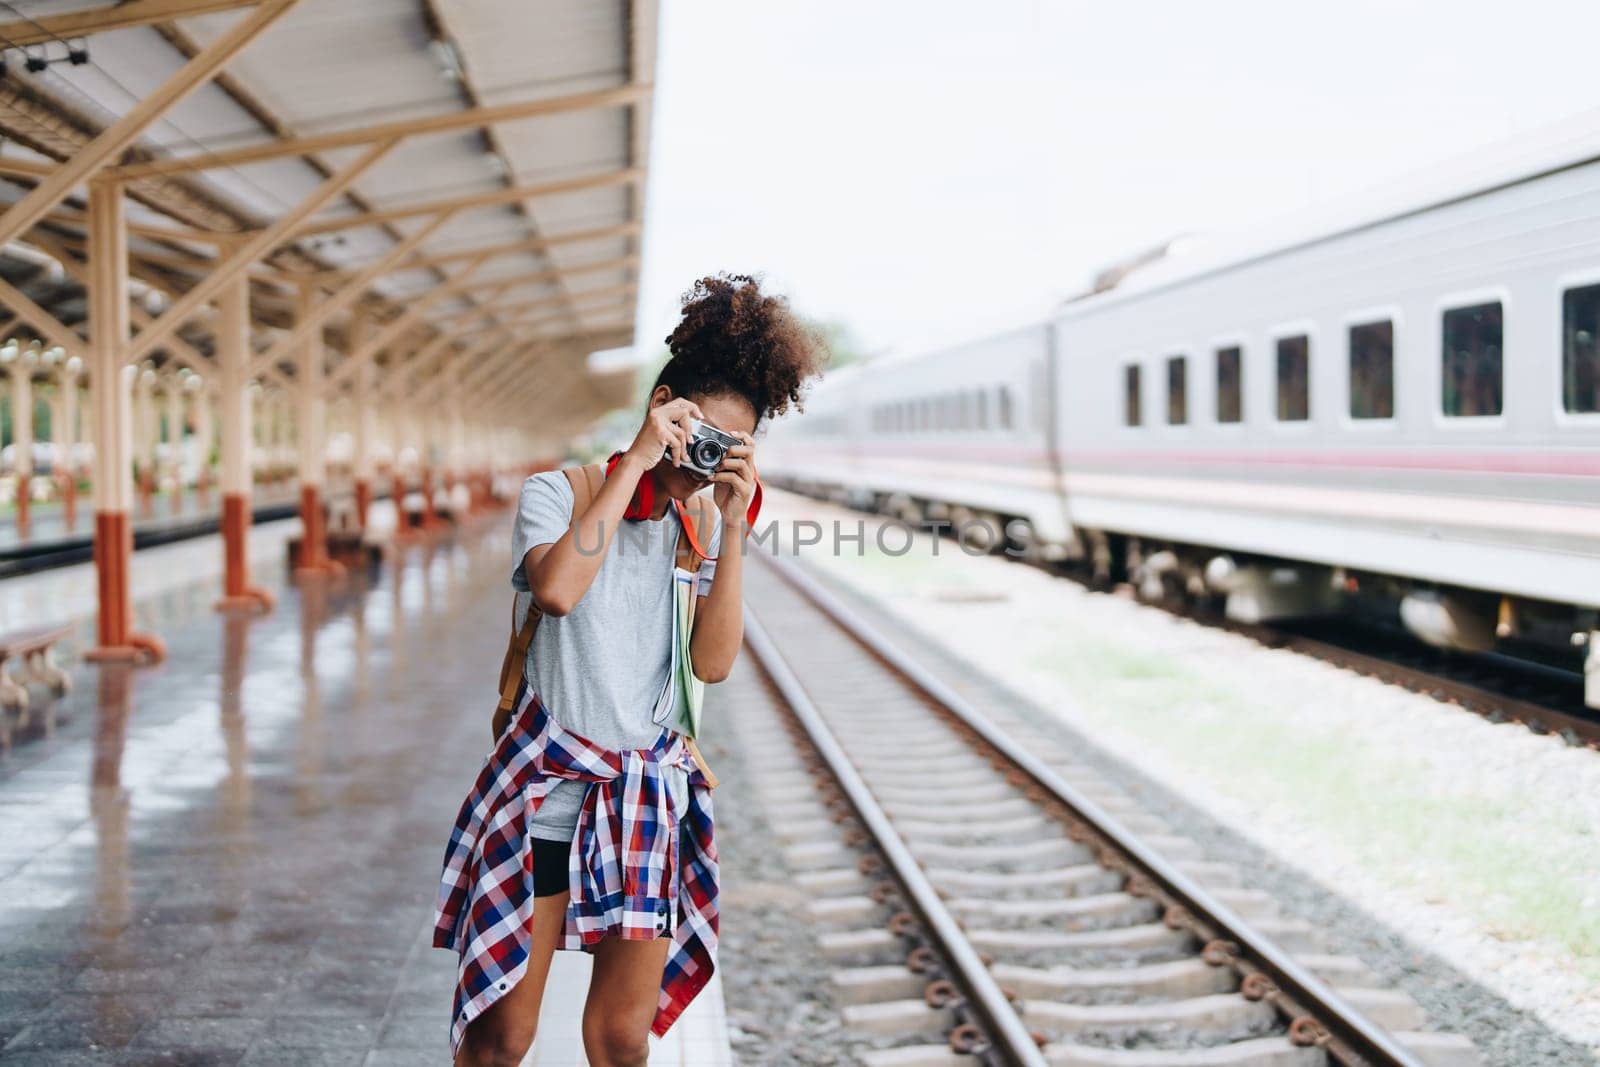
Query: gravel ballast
{"points": [[774, 982], [1349, 798]]}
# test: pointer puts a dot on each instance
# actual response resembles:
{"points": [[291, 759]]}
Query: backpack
{"points": [[694, 519]]}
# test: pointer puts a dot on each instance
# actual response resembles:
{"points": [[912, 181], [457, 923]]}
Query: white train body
{"points": [[963, 427], [1507, 502], [1417, 401]]}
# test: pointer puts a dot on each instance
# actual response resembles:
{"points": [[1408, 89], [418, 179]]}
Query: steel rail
{"points": [[995, 1015], [1360, 1041]]}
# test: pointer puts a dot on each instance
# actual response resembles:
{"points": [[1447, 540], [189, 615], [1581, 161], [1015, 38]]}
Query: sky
{"points": [[926, 171]]}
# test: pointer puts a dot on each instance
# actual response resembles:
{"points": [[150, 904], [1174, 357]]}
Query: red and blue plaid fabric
{"points": [[639, 869]]}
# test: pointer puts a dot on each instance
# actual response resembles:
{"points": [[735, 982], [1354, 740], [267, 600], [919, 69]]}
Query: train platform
{"points": [[51, 522], [231, 857]]}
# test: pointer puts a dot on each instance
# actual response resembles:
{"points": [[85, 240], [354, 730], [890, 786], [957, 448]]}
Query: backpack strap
{"points": [[585, 482], [695, 518]]}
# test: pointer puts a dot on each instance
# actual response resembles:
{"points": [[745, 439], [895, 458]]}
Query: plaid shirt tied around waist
{"points": [[633, 874]]}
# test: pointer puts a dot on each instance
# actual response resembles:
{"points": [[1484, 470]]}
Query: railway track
{"points": [[1576, 726], [1500, 690], [987, 900]]}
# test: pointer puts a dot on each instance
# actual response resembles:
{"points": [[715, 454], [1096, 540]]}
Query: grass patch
{"points": [[1524, 873]]}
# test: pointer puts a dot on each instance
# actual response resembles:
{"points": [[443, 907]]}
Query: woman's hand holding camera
{"points": [[735, 480], [665, 429]]}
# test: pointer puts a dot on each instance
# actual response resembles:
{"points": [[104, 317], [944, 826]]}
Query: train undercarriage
{"points": [[1562, 640]]}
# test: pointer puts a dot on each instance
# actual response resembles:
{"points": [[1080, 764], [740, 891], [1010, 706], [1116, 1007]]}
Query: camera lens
{"points": [[707, 454]]}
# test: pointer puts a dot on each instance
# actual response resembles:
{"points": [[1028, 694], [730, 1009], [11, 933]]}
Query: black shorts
{"points": [[550, 867]]}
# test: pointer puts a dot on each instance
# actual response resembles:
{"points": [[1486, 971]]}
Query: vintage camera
{"points": [[707, 447]]}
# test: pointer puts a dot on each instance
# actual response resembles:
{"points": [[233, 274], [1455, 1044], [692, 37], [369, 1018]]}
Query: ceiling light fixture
{"points": [[448, 56]]}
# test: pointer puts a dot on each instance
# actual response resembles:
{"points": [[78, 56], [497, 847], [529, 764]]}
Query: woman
{"points": [[545, 854]]}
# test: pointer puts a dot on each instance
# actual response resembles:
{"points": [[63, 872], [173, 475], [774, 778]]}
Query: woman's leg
{"points": [[501, 1036], [623, 991]]}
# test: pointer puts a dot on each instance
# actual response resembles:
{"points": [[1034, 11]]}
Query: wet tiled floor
{"points": [[231, 858]]}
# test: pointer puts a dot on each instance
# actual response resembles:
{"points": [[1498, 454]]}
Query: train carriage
{"points": [[1397, 404]]}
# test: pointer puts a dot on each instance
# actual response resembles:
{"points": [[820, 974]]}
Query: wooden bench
{"points": [[35, 649]]}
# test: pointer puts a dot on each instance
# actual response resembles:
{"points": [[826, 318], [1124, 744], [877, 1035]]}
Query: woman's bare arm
{"points": [[559, 574], [719, 618]]}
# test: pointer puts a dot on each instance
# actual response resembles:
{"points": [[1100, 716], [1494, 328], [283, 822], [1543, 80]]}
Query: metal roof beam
{"points": [[114, 139], [406, 396], [31, 314], [395, 329], [46, 28], [175, 346], [240, 258], [347, 294], [505, 248], [471, 118], [466, 201]]}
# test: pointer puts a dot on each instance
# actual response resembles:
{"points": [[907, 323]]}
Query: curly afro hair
{"points": [[734, 338]]}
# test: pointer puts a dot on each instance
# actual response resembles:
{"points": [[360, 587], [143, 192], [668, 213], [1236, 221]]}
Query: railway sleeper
{"points": [[918, 1056], [870, 946], [1023, 856], [799, 831], [820, 855], [833, 881], [1188, 977], [864, 985], [1130, 944], [898, 1019], [1209, 1019], [1026, 828], [1258, 1052], [916, 792], [837, 913], [1078, 880], [1096, 912], [956, 790]]}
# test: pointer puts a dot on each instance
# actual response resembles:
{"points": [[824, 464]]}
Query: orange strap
{"points": [[749, 523]]}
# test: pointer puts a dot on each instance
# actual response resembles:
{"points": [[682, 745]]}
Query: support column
{"points": [[145, 429], [21, 369], [399, 477], [67, 438], [456, 457], [200, 392], [113, 418], [312, 412], [279, 435], [425, 456], [238, 435], [365, 418], [172, 397]]}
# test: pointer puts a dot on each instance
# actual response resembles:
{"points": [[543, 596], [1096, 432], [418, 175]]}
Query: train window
{"points": [[1294, 378], [1472, 382], [1230, 389], [1002, 406], [1372, 370], [1177, 390], [1132, 413], [1580, 350], [980, 399]]}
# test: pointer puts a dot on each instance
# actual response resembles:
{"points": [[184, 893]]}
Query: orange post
{"points": [[113, 407]]}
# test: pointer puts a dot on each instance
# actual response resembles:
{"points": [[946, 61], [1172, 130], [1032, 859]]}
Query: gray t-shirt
{"points": [[601, 668]]}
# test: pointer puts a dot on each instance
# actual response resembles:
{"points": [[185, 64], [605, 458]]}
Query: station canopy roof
{"points": [[504, 226]]}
